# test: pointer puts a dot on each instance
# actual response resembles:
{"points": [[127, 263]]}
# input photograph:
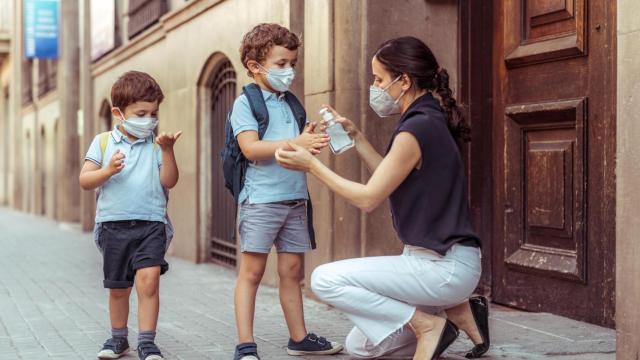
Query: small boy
{"points": [[273, 201], [133, 172]]}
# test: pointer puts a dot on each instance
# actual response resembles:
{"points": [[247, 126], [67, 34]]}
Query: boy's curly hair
{"points": [[134, 86], [257, 42]]}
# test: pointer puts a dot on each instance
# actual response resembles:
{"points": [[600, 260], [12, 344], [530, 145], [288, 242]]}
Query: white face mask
{"points": [[140, 127], [280, 79], [382, 103]]}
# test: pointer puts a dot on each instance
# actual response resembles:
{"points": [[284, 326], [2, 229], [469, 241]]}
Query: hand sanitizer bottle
{"points": [[340, 140]]}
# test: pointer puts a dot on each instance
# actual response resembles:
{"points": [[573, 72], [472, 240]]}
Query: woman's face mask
{"points": [[280, 79], [140, 127], [382, 103]]}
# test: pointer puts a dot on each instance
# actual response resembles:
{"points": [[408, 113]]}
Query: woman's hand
{"points": [[347, 124], [295, 158]]}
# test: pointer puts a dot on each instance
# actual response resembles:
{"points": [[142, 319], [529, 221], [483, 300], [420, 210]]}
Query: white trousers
{"points": [[381, 294]]}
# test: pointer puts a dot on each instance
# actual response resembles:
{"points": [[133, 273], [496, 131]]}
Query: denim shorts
{"points": [[130, 245], [283, 224]]}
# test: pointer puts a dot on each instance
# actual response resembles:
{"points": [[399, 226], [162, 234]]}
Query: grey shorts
{"points": [[281, 224]]}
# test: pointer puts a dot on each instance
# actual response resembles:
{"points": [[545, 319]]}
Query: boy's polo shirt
{"points": [[135, 193], [266, 181]]}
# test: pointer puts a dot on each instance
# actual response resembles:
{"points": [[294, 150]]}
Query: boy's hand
{"points": [[116, 164], [166, 140], [312, 141]]}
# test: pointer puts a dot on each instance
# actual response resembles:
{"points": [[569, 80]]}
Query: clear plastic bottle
{"points": [[340, 139]]}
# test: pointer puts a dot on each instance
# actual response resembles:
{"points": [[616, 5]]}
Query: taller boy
{"points": [[273, 200]]}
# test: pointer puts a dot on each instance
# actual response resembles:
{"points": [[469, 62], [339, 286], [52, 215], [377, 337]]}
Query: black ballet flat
{"points": [[449, 334], [480, 310]]}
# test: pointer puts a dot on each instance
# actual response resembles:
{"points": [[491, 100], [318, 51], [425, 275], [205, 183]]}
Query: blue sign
{"points": [[41, 28]]}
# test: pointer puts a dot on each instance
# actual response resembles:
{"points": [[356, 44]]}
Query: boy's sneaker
{"points": [[313, 345], [114, 348], [246, 351], [149, 351]]}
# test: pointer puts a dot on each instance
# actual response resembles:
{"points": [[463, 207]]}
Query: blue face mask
{"points": [[280, 79], [140, 127]]}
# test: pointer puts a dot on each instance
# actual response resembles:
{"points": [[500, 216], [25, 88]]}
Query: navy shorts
{"points": [[128, 246]]}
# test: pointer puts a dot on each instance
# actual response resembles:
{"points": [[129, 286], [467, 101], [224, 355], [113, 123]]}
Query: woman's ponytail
{"points": [[457, 124]]}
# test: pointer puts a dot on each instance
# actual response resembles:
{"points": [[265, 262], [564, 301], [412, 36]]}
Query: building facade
{"points": [[546, 85]]}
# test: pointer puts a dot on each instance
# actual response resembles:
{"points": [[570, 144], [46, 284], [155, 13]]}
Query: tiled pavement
{"points": [[52, 306]]}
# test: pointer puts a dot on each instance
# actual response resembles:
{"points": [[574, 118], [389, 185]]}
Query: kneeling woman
{"points": [[422, 174]]}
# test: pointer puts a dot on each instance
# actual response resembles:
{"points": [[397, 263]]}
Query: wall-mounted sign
{"points": [[103, 27], [41, 28]]}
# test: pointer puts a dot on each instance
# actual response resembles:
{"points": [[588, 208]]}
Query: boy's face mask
{"points": [[280, 79], [382, 103], [140, 127]]}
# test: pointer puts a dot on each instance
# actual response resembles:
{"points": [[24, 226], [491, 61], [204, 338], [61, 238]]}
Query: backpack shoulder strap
{"points": [[103, 138], [258, 107], [298, 110]]}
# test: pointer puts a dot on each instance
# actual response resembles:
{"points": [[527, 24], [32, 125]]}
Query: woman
{"points": [[422, 174]]}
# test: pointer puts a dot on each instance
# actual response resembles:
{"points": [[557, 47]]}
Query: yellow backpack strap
{"points": [[104, 138]]}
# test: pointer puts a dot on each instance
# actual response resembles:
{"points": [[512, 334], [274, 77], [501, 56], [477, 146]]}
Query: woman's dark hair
{"points": [[409, 55]]}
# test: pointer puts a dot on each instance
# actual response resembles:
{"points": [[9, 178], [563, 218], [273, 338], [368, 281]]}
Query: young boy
{"points": [[273, 200], [132, 170]]}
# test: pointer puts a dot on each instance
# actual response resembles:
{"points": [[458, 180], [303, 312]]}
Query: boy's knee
{"points": [[147, 281], [291, 271], [251, 277]]}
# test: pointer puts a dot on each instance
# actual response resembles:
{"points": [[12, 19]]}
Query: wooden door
{"points": [[554, 147]]}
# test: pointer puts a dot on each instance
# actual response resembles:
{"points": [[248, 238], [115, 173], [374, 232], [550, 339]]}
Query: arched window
{"points": [[223, 93]]}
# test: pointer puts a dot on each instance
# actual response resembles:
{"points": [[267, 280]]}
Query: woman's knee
{"points": [[323, 281]]}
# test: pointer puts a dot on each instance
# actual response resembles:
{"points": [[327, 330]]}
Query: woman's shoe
{"points": [[449, 334], [480, 310]]}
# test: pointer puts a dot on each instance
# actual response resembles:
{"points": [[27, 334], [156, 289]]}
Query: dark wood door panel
{"points": [[543, 30], [554, 157], [544, 174]]}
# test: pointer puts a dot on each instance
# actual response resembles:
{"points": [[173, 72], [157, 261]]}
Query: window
{"points": [[27, 81], [143, 14], [47, 76]]}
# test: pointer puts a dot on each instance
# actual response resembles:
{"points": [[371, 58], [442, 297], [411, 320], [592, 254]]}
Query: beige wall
{"points": [[627, 175], [5, 69], [46, 160], [341, 37]]}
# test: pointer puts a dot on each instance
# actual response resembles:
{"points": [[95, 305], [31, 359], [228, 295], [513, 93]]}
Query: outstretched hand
{"points": [[295, 157], [167, 140]]}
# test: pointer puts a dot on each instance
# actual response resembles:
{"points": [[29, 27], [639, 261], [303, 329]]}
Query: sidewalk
{"points": [[53, 306]]}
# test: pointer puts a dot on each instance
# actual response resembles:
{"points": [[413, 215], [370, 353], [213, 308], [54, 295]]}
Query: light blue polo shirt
{"points": [[266, 181], [135, 193]]}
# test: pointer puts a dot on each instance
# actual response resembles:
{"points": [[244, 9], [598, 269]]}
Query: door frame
{"points": [[475, 54]]}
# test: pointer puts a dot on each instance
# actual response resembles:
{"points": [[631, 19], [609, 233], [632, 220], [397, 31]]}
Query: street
{"points": [[53, 306]]}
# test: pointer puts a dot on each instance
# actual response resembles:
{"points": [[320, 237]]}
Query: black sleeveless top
{"points": [[430, 207]]}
